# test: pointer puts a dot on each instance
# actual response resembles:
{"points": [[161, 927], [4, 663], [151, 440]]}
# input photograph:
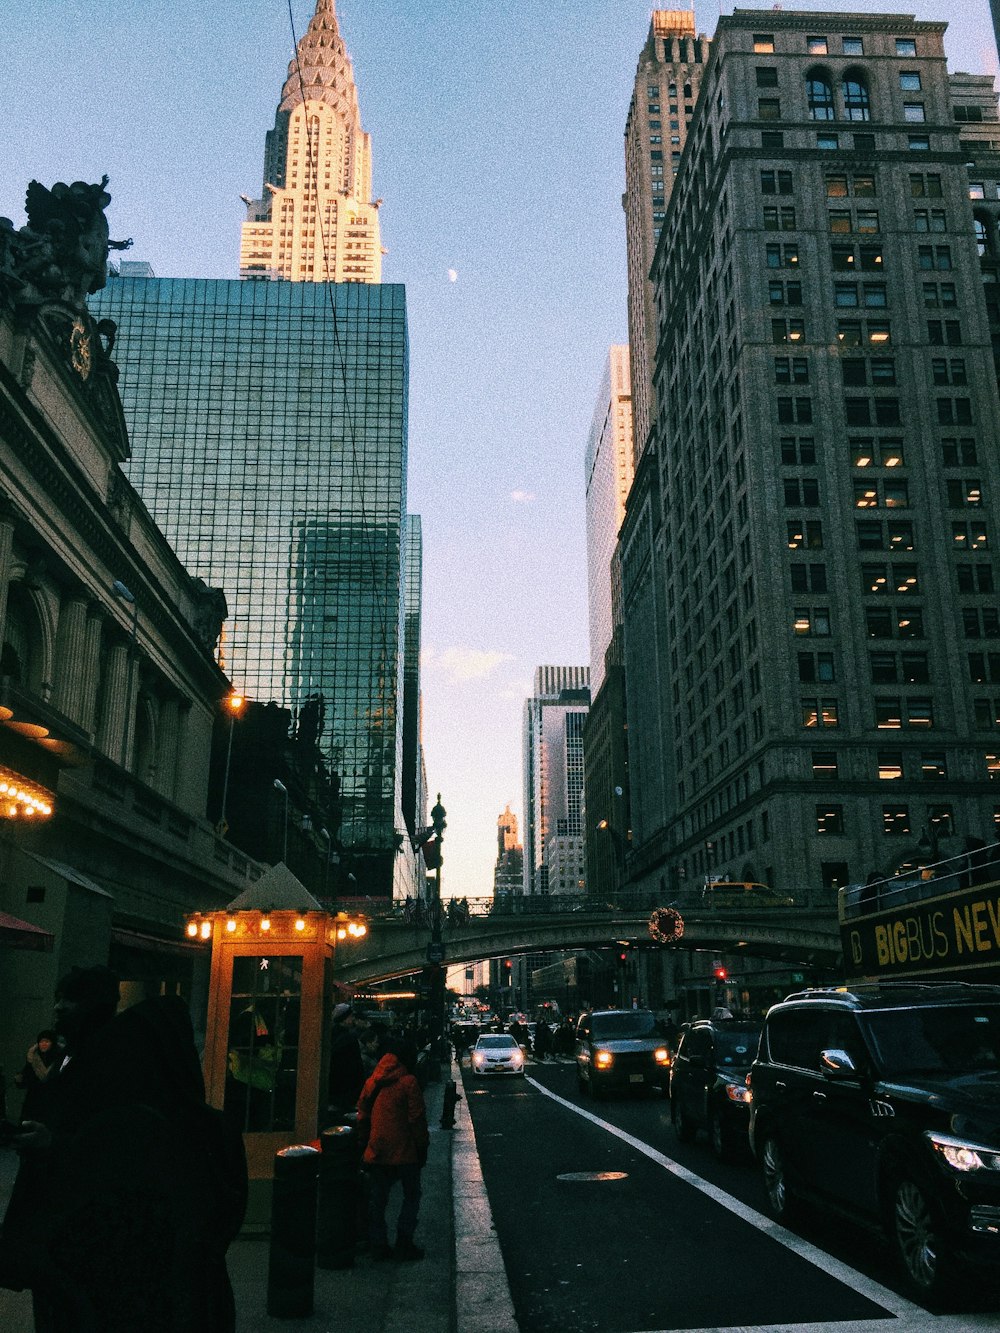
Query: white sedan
{"points": [[497, 1053]]}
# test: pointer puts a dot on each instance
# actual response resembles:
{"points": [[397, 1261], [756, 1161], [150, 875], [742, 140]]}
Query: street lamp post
{"points": [[124, 594], [436, 951], [234, 706], [279, 786]]}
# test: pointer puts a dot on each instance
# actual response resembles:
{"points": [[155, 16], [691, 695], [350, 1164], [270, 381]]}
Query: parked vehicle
{"points": [[883, 1102], [497, 1053], [621, 1049], [708, 1089], [743, 894]]}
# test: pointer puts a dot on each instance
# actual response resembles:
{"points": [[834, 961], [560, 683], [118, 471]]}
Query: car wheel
{"points": [[684, 1126], [781, 1201], [917, 1239]]}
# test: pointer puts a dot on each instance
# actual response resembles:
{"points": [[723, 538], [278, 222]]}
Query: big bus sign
{"points": [[921, 928]]}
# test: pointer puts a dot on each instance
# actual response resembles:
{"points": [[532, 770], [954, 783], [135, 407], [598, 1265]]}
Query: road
{"points": [[606, 1223]]}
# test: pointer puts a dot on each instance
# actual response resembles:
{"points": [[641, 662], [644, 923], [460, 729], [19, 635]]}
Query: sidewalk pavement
{"points": [[458, 1287]]}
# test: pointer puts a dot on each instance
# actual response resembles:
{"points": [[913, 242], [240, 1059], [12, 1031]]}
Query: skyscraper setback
{"points": [[316, 220], [268, 420]]}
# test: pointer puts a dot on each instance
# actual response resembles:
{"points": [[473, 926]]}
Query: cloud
{"points": [[523, 497], [461, 663]]}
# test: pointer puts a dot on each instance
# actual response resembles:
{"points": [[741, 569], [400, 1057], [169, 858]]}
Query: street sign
{"points": [[435, 952]]}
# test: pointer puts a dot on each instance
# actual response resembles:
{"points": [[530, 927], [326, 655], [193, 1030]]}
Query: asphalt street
{"points": [[607, 1223]]}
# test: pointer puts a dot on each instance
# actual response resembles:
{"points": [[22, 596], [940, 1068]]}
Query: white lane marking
{"points": [[864, 1286]]}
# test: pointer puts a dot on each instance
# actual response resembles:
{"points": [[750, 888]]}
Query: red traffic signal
{"points": [[720, 973], [508, 964]]}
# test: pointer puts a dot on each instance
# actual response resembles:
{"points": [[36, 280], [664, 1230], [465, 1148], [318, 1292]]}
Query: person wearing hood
{"points": [[391, 1110]]}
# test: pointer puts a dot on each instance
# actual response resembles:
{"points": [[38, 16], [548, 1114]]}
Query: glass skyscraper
{"points": [[268, 423]]}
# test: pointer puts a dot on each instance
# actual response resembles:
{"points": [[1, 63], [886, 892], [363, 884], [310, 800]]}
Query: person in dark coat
{"points": [[347, 1069], [134, 1188], [391, 1111], [542, 1045], [42, 1061]]}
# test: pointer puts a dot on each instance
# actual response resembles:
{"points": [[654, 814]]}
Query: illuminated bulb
{"points": [[206, 930], [192, 928], [362, 930], [3, 787], [265, 923], [300, 924], [341, 933], [230, 925]]}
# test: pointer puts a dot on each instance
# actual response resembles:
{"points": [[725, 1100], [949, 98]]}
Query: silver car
{"points": [[497, 1053]]}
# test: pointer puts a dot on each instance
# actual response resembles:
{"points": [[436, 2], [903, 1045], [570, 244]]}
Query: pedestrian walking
{"points": [[347, 1070], [393, 1118], [41, 1062], [542, 1045]]}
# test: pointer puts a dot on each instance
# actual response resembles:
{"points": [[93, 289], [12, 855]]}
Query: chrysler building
{"points": [[316, 220]]}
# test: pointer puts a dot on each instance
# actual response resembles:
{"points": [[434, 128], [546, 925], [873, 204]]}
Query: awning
{"points": [[135, 939], [17, 934], [68, 872]]}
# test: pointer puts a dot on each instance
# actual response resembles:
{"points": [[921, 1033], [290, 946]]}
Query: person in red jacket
{"points": [[391, 1111]]}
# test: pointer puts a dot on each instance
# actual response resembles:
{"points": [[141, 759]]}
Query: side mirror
{"points": [[837, 1064]]}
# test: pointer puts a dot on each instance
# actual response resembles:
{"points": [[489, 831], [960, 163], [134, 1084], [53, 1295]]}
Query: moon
{"points": [[452, 275]]}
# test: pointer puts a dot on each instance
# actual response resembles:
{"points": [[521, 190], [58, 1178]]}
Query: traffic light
{"points": [[623, 956], [508, 964], [720, 974]]}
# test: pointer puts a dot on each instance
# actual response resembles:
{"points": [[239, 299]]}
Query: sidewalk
{"points": [[458, 1287]]}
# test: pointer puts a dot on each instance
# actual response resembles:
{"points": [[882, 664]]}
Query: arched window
{"points": [[819, 95], [857, 104]]}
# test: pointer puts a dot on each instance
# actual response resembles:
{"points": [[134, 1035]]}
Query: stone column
{"points": [[6, 561], [111, 738], [71, 637], [168, 736], [90, 668]]}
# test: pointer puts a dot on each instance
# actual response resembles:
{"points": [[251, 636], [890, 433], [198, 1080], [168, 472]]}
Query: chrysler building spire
{"points": [[316, 220]]}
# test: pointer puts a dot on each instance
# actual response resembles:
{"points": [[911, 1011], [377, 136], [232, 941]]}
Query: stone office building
{"points": [[807, 556], [109, 687]]}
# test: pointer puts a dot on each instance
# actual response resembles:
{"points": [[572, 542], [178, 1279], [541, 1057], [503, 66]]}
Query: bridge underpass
{"points": [[394, 947]]}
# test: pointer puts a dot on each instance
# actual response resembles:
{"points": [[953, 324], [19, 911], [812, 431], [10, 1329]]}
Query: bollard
{"points": [[451, 1100], [291, 1267], [338, 1197]]}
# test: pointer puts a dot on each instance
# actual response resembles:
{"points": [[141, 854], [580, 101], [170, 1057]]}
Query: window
{"points": [[787, 331], [947, 331], [801, 491], [840, 221], [992, 766], [986, 714], [815, 667], [871, 259], [797, 450], [906, 46], [890, 765], [864, 144], [763, 43], [914, 112], [805, 535], [845, 294], [811, 621], [853, 46], [918, 143], [895, 819], [808, 578], [867, 221], [819, 713], [969, 113], [854, 90], [791, 370], [893, 714], [925, 186], [965, 493], [794, 411], [827, 141], [933, 765], [969, 537], [876, 453], [883, 668], [773, 140], [974, 578], [836, 187], [849, 332], [954, 411], [888, 623], [784, 293], [854, 371], [939, 294], [767, 76], [909, 80], [981, 623], [776, 182], [781, 256], [941, 819], [883, 371], [858, 411], [816, 46], [829, 818], [819, 96], [977, 190], [984, 668], [933, 219], [768, 108]]}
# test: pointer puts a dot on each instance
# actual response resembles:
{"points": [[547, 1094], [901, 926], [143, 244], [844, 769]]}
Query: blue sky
{"points": [[497, 136]]}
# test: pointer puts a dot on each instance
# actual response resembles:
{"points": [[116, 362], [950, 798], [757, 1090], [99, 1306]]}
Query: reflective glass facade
{"points": [[268, 423]]}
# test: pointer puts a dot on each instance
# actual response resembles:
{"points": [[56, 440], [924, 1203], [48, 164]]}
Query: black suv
{"points": [[708, 1083], [883, 1102], [621, 1048]]}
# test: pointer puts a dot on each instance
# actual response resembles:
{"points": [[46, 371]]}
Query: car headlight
{"points": [[661, 1055], [517, 1058], [739, 1092], [478, 1057], [603, 1059], [963, 1156]]}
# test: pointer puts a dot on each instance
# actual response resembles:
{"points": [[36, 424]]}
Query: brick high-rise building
{"points": [[666, 88], [316, 220], [809, 594]]}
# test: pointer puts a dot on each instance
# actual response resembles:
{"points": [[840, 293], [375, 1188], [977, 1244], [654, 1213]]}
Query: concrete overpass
{"points": [[395, 947]]}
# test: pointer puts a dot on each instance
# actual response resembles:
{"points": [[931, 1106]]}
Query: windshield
{"points": [[736, 1050], [496, 1043], [948, 1039], [629, 1023]]}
